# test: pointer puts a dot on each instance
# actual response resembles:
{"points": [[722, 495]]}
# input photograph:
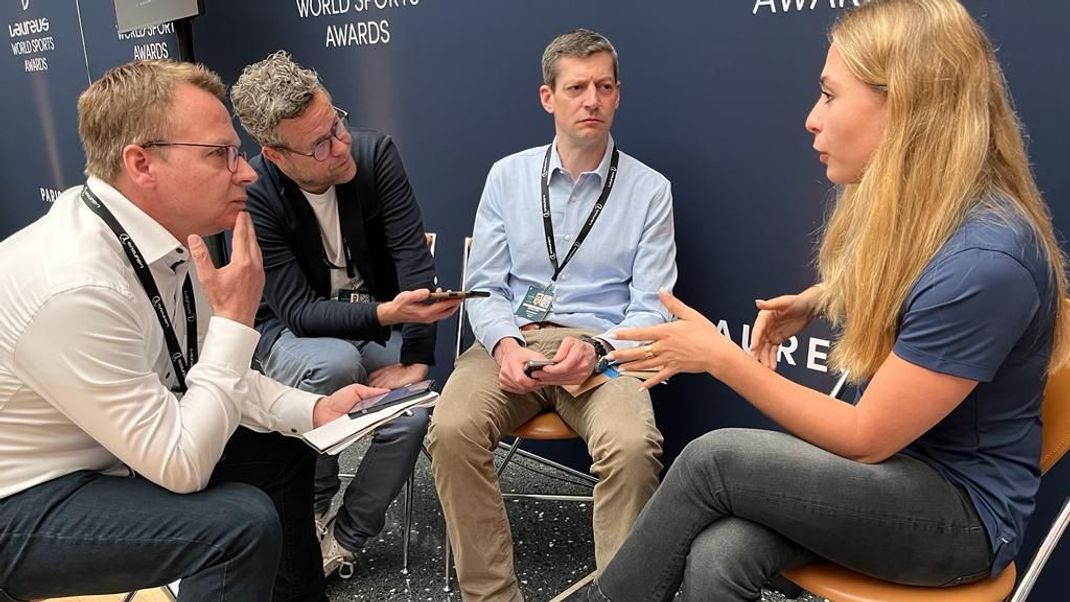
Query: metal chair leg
{"points": [[447, 564], [408, 522], [509, 456]]}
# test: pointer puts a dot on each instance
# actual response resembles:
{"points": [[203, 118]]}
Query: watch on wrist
{"points": [[600, 352], [599, 347]]}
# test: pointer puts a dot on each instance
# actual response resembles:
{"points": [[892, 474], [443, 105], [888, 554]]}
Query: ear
{"points": [[271, 154], [546, 97], [138, 166]]}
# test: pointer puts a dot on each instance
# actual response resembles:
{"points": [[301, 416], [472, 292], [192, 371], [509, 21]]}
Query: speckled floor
{"points": [[553, 541]]}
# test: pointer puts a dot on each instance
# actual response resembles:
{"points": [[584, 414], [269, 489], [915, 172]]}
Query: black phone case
{"points": [[386, 403]]}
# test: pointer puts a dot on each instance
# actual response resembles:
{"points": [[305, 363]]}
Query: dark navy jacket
{"points": [[380, 223]]}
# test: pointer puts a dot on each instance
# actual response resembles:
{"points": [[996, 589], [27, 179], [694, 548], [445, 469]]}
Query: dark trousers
{"points": [[322, 365], [739, 505], [249, 535]]}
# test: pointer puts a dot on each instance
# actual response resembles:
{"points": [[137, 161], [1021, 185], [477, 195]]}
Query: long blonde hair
{"points": [[952, 141]]}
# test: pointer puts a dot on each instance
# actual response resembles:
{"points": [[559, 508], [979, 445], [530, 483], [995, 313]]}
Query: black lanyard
{"points": [[547, 224], [350, 270], [141, 269]]}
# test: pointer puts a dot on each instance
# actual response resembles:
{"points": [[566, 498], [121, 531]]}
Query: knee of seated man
{"points": [[244, 515], [454, 428], [632, 449], [411, 426], [342, 366]]}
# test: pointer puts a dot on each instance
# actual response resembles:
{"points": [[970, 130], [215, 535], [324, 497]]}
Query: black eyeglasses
{"points": [[232, 152], [322, 149]]}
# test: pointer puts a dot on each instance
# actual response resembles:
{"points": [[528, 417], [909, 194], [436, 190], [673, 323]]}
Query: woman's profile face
{"points": [[847, 121]]}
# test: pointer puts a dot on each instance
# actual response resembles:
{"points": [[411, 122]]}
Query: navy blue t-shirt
{"points": [[983, 309]]}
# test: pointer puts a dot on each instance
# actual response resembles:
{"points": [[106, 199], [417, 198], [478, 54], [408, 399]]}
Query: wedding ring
{"points": [[648, 351]]}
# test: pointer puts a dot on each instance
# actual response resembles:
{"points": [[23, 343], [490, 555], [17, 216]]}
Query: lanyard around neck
{"points": [[141, 269], [547, 224]]}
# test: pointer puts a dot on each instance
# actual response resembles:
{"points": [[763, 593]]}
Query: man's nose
{"points": [[590, 96]]}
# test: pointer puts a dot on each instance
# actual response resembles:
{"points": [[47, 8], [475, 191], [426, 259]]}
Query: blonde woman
{"points": [[940, 268]]}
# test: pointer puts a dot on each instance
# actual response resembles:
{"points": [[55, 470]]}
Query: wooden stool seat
{"points": [[838, 584], [547, 426]]}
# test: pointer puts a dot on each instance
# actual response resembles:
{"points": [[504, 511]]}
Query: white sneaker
{"points": [[336, 557]]}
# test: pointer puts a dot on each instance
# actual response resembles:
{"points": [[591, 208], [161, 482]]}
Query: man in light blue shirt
{"points": [[572, 240]]}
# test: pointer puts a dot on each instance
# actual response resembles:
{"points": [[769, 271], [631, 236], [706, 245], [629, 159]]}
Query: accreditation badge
{"points": [[537, 303], [348, 295]]}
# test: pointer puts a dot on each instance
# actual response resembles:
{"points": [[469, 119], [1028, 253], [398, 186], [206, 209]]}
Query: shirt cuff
{"points": [[229, 344], [495, 334], [617, 343], [294, 415]]}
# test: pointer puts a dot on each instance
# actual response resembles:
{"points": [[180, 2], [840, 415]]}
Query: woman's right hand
{"points": [[780, 319]]}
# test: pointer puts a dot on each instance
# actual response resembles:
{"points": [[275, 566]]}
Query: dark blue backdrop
{"points": [[714, 97]]}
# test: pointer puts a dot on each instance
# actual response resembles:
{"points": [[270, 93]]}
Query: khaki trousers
{"points": [[616, 421]]}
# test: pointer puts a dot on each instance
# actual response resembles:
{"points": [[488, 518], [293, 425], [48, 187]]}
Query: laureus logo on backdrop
{"points": [[798, 6]]}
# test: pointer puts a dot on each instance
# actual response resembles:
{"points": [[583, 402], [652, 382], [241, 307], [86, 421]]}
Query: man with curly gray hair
{"points": [[347, 274]]}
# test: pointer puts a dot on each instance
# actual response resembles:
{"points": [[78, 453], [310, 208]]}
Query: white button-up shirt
{"points": [[85, 377]]}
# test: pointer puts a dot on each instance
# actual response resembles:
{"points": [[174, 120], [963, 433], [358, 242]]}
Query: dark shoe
{"points": [[580, 591]]}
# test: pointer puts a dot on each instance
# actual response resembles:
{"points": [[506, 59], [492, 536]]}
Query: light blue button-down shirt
{"points": [[613, 279]]}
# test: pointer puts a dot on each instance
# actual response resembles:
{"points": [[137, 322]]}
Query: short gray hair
{"points": [[271, 90], [579, 43]]}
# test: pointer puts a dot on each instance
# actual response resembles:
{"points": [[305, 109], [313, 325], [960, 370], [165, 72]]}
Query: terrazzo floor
{"points": [[553, 541]]}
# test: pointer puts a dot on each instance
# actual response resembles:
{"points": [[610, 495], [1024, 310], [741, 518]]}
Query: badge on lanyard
{"points": [[539, 300], [537, 303], [348, 295]]}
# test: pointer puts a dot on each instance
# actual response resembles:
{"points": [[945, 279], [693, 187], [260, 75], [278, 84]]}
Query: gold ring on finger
{"points": [[648, 351]]}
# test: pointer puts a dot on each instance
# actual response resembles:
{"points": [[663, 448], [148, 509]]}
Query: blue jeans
{"points": [[323, 365], [739, 505], [86, 533]]}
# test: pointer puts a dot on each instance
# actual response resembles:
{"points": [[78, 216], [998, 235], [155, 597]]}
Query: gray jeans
{"points": [[323, 365], [739, 505]]}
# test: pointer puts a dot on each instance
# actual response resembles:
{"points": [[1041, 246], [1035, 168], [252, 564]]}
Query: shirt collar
{"points": [[603, 166], [152, 239]]}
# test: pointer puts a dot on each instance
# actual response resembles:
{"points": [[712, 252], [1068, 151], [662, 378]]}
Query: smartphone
{"points": [[392, 397], [531, 366], [446, 295]]}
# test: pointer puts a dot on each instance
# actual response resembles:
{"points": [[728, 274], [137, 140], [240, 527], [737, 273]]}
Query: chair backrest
{"points": [[1055, 415], [1054, 443], [464, 284]]}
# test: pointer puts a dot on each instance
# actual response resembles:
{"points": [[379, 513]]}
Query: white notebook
{"points": [[342, 432]]}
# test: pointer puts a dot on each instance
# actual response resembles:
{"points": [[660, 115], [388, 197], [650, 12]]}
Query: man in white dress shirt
{"points": [[136, 445]]}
